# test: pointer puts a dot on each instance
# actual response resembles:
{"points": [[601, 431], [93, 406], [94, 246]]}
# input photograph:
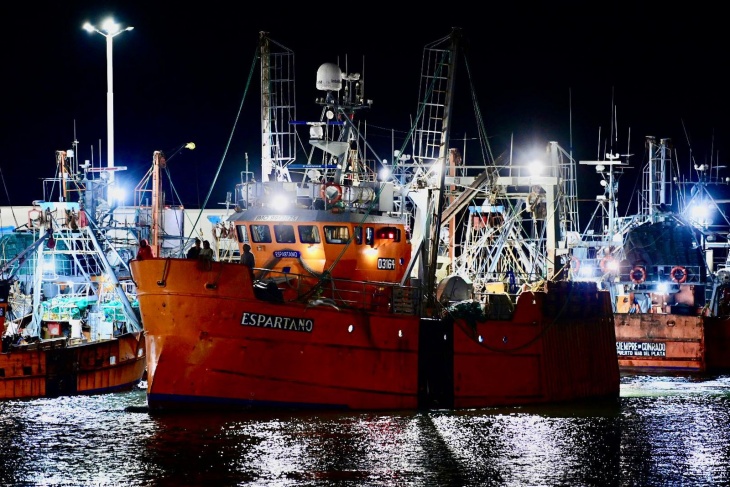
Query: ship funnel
{"points": [[329, 77]]}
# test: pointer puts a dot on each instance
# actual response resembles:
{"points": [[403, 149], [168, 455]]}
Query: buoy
{"points": [[336, 197], [678, 273], [574, 264], [638, 275]]}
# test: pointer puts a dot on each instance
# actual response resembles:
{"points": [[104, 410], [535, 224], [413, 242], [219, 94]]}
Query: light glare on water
{"points": [[662, 431]]}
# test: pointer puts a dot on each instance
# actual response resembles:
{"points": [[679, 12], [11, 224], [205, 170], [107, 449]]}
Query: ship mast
{"points": [[158, 162], [424, 177], [278, 109], [443, 162]]}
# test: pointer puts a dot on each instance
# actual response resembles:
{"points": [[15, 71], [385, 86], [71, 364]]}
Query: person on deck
{"points": [[194, 251], [248, 259], [206, 253], [145, 251]]}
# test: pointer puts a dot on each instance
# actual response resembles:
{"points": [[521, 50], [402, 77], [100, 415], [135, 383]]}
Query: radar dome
{"points": [[329, 77]]}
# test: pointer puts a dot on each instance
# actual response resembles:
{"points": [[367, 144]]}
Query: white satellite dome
{"points": [[329, 77], [723, 275]]}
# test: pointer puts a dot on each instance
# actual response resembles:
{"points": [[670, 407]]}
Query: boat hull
{"points": [[557, 346], [551, 347], [216, 345], [695, 343], [53, 368], [212, 344]]}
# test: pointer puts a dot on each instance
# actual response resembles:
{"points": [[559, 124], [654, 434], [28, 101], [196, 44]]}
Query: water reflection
{"points": [[70, 440], [675, 430], [663, 430]]}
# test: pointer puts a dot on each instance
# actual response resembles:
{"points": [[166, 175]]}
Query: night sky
{"points": [[551, 71]]}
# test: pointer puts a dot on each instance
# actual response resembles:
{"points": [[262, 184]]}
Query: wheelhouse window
{"points": [[336, 235], [369, 236], [309, 234], [358, 235], [284, 233], [241, 233], [260, 234]]}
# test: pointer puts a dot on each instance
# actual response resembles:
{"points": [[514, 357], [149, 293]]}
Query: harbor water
{"points": [[664, 430]]}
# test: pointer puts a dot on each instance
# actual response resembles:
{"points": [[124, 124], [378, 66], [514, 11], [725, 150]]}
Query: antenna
{"points": [[75, 160], [686, 136], [511, 147], [628, 148], [614, 127], [613, 118], [570, 119]]}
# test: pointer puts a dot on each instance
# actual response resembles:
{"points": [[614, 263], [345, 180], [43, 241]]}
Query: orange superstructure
{"points": [[301, 247]]}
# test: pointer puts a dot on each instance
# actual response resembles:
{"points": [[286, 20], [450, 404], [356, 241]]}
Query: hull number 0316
{"points": [[386, 264]]}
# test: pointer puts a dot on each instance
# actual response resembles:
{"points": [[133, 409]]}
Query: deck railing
{"points": [[369, 295]]}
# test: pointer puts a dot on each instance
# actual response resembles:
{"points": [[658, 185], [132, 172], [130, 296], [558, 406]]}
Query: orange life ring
{"points": [[604, 264], [678, 273], [323, 193], [638, 275], [574, 264]]}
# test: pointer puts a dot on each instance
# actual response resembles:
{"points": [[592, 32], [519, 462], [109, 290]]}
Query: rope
{"points": [[163, 280], [251, 72], [471, 331], [214, 284]]}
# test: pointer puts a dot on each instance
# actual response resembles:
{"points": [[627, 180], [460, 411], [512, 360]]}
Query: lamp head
{"points": [[108, 28]]}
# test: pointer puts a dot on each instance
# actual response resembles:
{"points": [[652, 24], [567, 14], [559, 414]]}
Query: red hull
{"points": [[211, 343], [557, 347], [669, 341], [51, 369]]}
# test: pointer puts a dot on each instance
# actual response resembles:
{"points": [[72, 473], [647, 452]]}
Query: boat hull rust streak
{"points": [[201, 355]]}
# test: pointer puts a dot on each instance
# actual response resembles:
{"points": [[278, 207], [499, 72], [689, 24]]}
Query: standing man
{"points": [[194, 251], [248, 259], [206, 253], [145, 251]]}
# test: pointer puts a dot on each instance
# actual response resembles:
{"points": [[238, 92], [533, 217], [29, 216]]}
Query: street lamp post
{"points": [[109, 29]]}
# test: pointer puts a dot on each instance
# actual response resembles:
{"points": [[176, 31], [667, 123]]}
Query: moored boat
{"points": [[73, 345], [68, 320], [217, 340], [341, 309], [666, 269]]}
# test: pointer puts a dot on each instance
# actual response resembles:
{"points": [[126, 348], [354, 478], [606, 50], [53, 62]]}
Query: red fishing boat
{"points": [[666, 268], [342, 309], [77, 338], [58, 365], [67, 317], [217, 339]]}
